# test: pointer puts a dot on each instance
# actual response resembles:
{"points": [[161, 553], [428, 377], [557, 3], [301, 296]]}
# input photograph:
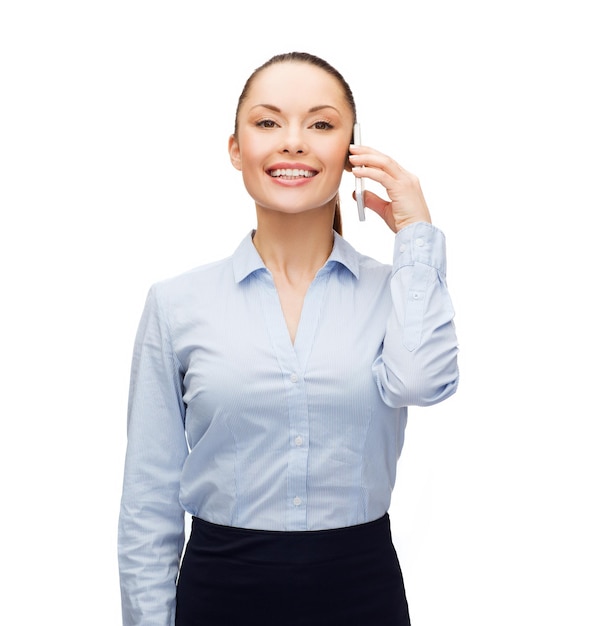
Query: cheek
{"points": [[340, 148], [250, 161], [256, 153], [338, 157]]}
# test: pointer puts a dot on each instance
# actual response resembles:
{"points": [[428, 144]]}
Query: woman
{"points": [[287, 368]]}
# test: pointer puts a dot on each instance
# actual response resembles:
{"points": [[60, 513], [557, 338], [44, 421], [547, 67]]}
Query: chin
{"points": [[301, 208]]}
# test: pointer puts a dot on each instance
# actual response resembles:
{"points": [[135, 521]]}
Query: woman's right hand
{"points": [[405, 204]]}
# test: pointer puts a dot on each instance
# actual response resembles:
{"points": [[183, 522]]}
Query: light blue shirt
{"points": [[232, 422]]}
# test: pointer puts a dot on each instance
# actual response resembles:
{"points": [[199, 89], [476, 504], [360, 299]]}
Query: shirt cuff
{"points": [[420, 242]]}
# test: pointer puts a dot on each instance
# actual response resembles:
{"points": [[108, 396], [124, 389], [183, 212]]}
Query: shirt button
{"points": [[297, 501], [298, 440], [415, 295], [402, 248], [419, 242], [294, 378]]}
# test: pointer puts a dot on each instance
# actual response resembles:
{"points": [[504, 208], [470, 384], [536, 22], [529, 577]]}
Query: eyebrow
{"points": [[319, 107]]}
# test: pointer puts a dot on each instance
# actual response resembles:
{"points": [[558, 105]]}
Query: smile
{"points": [[292, 174]]}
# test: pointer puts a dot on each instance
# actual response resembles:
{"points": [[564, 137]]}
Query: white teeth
{"points": [[292, 173]]}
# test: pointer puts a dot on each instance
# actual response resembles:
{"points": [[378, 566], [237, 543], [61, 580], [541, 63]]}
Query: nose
{"points": [[293, 142]]}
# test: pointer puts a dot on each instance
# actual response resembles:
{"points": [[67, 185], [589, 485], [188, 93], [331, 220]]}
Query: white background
{"points": [[114, 173]]}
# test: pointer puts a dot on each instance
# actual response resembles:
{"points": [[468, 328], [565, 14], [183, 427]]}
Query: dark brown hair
{"points": [[302, 57]]}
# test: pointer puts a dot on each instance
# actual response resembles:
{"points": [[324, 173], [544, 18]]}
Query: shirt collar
{"points": [[246, 259], [344, 254]]}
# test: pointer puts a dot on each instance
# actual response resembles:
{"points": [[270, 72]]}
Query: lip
{"points": [[289, 165]]}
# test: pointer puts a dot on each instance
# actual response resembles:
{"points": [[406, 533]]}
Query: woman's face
{"points": [[294, 129]]}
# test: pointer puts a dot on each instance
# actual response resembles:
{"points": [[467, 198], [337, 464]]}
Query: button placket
{"points": [[292, 359]]}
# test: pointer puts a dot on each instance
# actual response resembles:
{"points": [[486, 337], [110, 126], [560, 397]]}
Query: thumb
{"points": [[375, 203], [381, 207]]}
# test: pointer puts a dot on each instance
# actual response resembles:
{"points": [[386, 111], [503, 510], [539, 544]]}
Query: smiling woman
{"points": [[287, 369], [309, 60], [294, 116]]}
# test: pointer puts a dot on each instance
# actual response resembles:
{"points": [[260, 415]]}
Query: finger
{"points": [[374, 173], [375, 203], [378, 161], [363, 149]]}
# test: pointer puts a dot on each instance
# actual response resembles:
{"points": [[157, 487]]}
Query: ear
{"points": [[234, 152], [347, 164]]}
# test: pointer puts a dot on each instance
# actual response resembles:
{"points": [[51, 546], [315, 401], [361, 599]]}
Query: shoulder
{"points": [[197, 284], [370, 265], [374, 277], [365, 268]]}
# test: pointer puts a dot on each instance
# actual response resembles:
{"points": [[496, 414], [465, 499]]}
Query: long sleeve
{"points": [[151, 522], [418, 365]]}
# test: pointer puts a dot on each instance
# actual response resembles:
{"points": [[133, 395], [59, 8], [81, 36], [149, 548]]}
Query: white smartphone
{"points": [[359, 184]]}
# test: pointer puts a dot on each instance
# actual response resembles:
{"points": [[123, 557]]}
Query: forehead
{"points": [[296, 84]]}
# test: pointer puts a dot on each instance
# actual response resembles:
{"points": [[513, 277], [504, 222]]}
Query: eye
{"points": [[266, 124], [322, 125]]}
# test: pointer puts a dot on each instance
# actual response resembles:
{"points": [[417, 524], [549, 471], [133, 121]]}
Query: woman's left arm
{"points": [[418, 365]]}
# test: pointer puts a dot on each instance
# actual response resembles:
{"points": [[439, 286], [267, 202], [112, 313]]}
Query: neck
{"points": [[294, 246]]}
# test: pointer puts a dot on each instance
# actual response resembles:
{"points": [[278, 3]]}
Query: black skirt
{"points": [[239, 577]]}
